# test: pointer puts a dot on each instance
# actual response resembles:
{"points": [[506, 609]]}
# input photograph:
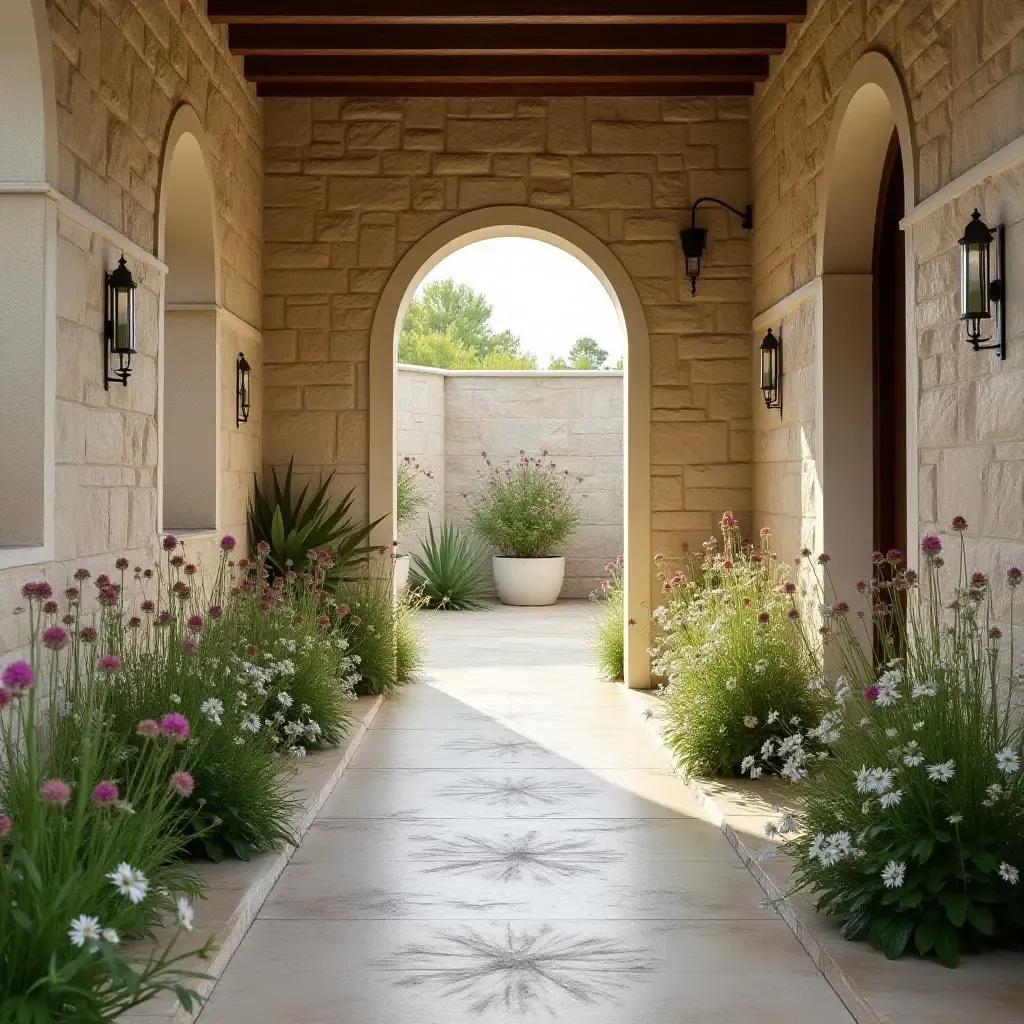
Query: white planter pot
{"points": [[528, 581], [401, 572]]}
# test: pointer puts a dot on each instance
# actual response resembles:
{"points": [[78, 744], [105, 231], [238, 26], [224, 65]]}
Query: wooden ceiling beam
{"points": [[462, 40], [502, 12], [631, 87]]}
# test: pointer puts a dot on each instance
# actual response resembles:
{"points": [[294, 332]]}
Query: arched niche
{"points": [[542, 225], [187, 244], [870, 130]]}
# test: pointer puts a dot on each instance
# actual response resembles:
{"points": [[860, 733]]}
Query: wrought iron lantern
{"points": [[119, 326], [771, 371], [982, 284], [243, 390], [695, 240]]}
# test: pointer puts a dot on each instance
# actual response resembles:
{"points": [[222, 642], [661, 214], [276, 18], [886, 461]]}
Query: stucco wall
{"points": [[351, 185], [961, 67], [119, 75], [420, 425], [576, 417]]}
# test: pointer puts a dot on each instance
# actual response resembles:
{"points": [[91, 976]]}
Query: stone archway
{"points": [[548, 227], [870, 122]]}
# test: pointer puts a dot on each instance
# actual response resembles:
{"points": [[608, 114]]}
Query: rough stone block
{"points": [[612, 191], [369, 194]]}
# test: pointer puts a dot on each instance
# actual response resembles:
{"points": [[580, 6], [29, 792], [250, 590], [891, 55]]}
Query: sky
{"points": [[538, 292]]}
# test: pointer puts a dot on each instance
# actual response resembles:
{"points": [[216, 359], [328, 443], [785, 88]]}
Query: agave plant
{"points": [[451, 571], [294, 527]]}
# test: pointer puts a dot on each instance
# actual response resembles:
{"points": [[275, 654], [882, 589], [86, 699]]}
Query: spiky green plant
{"points": [[409, 638], [450, 571], [608, 633], [293, 527], [366, 610]]}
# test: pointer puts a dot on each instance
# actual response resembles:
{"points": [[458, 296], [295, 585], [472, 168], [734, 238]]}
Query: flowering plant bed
{"points": [[913, 829]]}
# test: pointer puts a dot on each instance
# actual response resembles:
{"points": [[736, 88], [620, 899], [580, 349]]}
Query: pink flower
{"points": [[227, 542], [871, 692], [170, 542], [55, 791], [763, 618], [51, 607], [995, 633], [147, 727], [343, 609], [1014, 576], [5, 824], [39, 590], [959, 524], [894, 555], [109, 662], [164, 618], [17, 677], [325, 620], [979, 580], [215, 611], [840, 608], [789, 587], [148, 607], [931, 545], [88, 634], [104, 794], [183, 783], [263, 548], [175, 727], [82, 575], [189, 645], [55, 638], [190, 569], [824, 559], [195, 623], [252, 650]]}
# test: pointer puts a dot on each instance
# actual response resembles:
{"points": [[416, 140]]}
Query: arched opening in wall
{"points": [[511, 348], [28, 234], [190, 364], [862, 434], [476, 419]]}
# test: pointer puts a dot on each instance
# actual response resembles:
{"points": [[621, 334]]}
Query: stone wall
{"points": [[961, 64], [420, 426], [577, 417], [351, 185], [120, 73]]}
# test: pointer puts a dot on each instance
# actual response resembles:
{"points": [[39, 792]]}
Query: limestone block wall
{"points": [[350, 185], [420, 426], [961, 64], [120, 71]]}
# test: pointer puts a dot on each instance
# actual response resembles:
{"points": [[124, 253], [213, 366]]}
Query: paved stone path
{"points": [[508, 845]]}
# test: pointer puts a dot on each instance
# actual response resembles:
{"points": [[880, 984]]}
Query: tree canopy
{"points": [[585, 354]]}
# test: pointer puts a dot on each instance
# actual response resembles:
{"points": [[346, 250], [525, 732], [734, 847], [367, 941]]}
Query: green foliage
{"points": [[913, 831], [585, 354], [448, 353], [609, 631], [366, 614], [293, 527], [526, 509], [412, 497], [409, 638], [737, 668], [451, 572]]}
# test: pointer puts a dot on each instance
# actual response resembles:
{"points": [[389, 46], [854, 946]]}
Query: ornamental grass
{"points": [[608, 634]]}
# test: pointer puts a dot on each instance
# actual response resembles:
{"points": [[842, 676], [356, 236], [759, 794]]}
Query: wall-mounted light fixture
{"points": [[771, 371], [119, 326], [695, 239], [243, 390], [982, 284]]}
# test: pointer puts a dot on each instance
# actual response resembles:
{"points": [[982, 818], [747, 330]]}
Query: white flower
{"points": [[129, 882], [239, 741], [111, 936], [760, 667], [865, 808], [892, 733], [994, 791], [941, 772], [766, 852], [815, 848], [912, 760], [768, 748], [746, 764], [1008, 873], [84, 929], [185, 913], [252, 723], [788, 823], [756, 773], [923, 690], [955, 819], [893, 874], [750, 721], [864, 722], [792, 769], [213, 708], [175, 699], [918, 726], [284, 699], [773, 716], [891, 799], [771, 830], [1008, 761], [865, 780], [888, 692], [882, 779], [730, 684], [790, 744]]}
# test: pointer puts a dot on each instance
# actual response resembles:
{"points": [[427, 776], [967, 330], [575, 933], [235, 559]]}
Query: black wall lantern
{"points": [[119, 327], [981, 284], [771, 371], [243, 390], [695, 239]]}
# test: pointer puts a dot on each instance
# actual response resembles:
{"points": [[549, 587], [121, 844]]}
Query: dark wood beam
{"points": [[544, 12], [454, 40], [509, 70], [631, 87]]}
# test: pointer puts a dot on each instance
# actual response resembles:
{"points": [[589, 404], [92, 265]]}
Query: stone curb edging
{"points": [[252, 900], [859, 1007]]}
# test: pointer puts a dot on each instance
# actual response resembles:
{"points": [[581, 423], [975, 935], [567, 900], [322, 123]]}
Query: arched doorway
{"points": [[862, 437], [28, 319], [548, 227], [189, 372]]}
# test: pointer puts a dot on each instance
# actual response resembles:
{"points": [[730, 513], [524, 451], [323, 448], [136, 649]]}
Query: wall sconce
{"points": [[771, 371], [119, 326], [695, 239], [243, 390], [981, 284]]}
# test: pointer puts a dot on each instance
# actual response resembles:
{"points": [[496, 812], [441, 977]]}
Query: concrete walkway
{"points": [[509, 844]]}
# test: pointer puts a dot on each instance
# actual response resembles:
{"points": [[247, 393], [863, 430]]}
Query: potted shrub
{"points": [[526, 509], [411, 498]]}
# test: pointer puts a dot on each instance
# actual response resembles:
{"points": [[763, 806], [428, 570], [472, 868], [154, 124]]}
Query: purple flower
{"points": [[17, 677], [215, 611], [959, 524], [175, 727], [227, 542], [263, 548], [147, 727], [931, 545], [105, 793], [871, 692], [55, 637], [55, 791], [183, 783], [195, 623], [189, 645], [5, 824], [88, 634], [170, 542], [109, 662]]}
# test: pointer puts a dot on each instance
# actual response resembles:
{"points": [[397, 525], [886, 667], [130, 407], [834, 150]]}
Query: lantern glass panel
{"points": [[974, 280], [124, 320]]}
